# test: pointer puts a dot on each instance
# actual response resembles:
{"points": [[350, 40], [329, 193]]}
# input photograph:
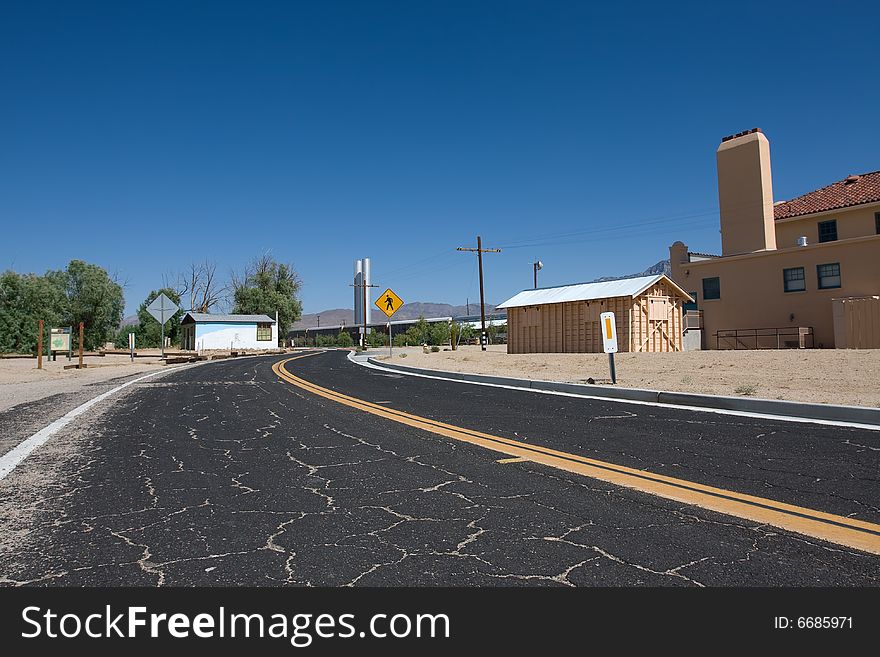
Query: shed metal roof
{"points": [[228, 319], [625, 287]]}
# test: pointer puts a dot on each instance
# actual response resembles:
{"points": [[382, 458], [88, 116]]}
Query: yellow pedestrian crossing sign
{"points": [[388, 302]]}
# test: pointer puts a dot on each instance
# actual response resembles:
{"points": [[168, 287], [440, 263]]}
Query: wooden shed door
{"points": [[659, 336]]}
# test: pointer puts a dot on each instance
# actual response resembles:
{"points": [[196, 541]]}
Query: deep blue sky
{"points": [[156, 133]]}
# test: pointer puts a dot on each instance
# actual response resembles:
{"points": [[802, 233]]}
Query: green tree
{"points": [[439, 333], [377, 339], [467, 332], [268, 287], [147, 331], [91, 297], [121, 340], [493, 331], [344, 339], [24, 300], [418, 333], [80, 293]]}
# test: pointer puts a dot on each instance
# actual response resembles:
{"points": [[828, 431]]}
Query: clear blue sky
{"points": [[156, 133]]}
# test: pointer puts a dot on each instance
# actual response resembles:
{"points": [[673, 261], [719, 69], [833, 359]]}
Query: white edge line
{"points": [[701, 409], [11, 459]]}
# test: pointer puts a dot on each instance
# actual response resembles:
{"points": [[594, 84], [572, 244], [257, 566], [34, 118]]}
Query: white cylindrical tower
{"points": [[368, 280]]}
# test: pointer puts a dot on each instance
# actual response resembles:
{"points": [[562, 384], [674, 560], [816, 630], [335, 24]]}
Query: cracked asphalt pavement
{"points": [[224, 474]]}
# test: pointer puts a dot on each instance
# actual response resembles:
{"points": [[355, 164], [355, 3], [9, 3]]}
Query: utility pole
{"points": [[480, 251], [364, 336], [537, 266]]}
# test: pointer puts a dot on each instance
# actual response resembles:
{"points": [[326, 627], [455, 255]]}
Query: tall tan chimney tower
{"points": [[745, 193]]}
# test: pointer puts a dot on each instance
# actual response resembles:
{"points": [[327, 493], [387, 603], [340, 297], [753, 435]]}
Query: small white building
{"points": [[200, 331]]}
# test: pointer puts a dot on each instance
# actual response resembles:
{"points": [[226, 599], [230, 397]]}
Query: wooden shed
{"points": [[647, 310]]}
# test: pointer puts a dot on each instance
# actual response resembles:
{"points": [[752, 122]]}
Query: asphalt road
{"points": [[225, 473]]}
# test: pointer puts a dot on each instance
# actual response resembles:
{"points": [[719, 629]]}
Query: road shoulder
{"points": [[853, 416]]}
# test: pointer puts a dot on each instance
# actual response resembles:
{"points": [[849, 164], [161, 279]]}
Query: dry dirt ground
{"points": [[21, 381], [826, 376]]}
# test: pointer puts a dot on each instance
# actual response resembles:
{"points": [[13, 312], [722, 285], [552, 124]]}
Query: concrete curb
{"points": [[825, 412]]}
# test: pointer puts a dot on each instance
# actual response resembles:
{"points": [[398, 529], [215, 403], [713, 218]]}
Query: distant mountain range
{"points": [[662, 267], [339, 316], [414, 310]]}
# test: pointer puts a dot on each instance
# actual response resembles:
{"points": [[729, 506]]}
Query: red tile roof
{"points": [[854, 190]]}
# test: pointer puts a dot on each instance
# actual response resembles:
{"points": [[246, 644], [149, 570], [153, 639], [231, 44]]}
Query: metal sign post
{"points": [[389, 303], [609, 340], [162, 309]]}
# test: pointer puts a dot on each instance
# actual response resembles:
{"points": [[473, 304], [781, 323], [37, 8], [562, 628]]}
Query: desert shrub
{"points": [[344, 339]]}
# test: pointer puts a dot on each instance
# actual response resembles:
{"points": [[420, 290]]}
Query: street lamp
{"points": [[536, 266]]}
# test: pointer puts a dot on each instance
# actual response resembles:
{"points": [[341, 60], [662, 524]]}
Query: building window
{"points": [[264, 331], [711, 288], [829, 275], [877, 222], [828, 231], [794, 279]]}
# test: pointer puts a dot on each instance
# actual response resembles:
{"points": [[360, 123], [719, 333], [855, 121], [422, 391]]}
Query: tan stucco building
{"points": [[790, 267]]}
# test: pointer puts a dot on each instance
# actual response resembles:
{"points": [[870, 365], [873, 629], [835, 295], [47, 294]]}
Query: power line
{"points": [[603, 235], [416, 263], [560, 237], [668, 219]]}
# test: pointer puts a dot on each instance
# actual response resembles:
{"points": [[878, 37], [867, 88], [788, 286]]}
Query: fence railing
{"points": [[787, 337]]}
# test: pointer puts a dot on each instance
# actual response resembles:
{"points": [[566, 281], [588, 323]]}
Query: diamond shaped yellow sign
{"points": [[388, 302]]}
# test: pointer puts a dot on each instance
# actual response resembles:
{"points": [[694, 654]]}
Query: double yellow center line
{"points": [[809, 522]]}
